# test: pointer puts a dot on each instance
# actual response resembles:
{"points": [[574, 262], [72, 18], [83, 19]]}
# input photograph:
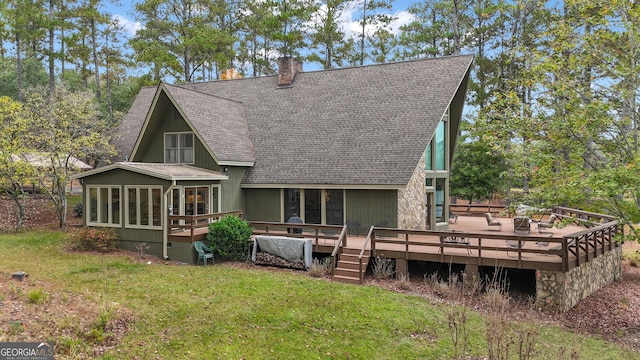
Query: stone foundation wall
{"points": [[411, 208], [559, 291]]}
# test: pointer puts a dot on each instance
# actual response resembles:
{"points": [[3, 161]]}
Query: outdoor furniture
{"points": [[204, 252], [353, 226], [453, 218], [493, 222], [512, 244], [456, 239], [521, 223], [542, 244], [382, 223], [548, 224]]}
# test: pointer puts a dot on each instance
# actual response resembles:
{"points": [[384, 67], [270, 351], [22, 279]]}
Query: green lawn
{"points": [[189, 312]]}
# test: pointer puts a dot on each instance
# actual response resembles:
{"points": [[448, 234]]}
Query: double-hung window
{"points": [[178, 148], [144, 206], [103, 205]]}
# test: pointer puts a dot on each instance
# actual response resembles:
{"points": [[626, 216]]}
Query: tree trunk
{"points": [[364, 24], [51, 51], [16, 195], [19, 67], [94, 48]]}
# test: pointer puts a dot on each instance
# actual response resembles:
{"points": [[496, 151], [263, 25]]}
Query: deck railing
{"points": [[475, 209], [193, 222], [573, 249], [326, 235], [337, 248], [580, 217], [589, 243]]}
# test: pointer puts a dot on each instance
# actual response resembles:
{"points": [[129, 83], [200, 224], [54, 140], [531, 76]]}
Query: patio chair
{"points": [[521, 224], [493, 222], [548, 224], [542, 244], [382, 223], [512, 244], [204, 252], [353, 226], [453, 218]]}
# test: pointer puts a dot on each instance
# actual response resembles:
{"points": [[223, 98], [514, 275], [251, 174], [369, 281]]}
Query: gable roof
{"points": [[158, 170], [221, 124], [365, 125], [128, 131]]}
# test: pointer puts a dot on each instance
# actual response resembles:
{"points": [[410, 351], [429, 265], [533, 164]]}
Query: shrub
{"points": [[94, 239], [319, 267], [404, 282], [78, 210], [229, 238], [383, 268]]}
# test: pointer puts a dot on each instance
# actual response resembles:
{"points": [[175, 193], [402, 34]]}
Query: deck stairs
{"points": [[348, 267]]}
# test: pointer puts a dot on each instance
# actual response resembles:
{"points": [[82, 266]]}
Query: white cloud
{"points": [[130, 26], [401, 18], [352, 27]]}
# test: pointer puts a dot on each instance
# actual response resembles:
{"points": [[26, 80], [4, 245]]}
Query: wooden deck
{"points": [[467, 241], [470, 241]]}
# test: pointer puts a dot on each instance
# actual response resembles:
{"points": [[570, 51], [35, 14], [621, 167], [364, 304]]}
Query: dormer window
{"points": [[178, 148]]}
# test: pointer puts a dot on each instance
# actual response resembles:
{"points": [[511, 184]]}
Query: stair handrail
{"points": [[364, 247], [336, 248]]}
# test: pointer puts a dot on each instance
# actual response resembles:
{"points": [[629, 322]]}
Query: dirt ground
{"points": [[612, 312], [39, 214]]}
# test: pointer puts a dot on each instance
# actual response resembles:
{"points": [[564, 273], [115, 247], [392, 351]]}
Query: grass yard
{"points": [[113, 307]]}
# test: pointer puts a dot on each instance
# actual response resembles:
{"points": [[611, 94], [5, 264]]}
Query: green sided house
{"points": [[370, 144]]}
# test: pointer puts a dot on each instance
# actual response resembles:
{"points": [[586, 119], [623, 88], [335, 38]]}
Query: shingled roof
{"points": [[365, 125], [220, 123], [128, 131]]}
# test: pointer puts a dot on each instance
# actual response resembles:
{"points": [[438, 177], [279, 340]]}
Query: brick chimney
{"points": [[288, 67]]}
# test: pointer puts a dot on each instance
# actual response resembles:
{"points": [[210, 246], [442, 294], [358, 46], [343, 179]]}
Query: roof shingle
{"points": [[366, 125]]}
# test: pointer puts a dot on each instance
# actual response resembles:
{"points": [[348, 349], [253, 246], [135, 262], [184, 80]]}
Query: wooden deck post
{"points": [[471, 271], [402, 267]]}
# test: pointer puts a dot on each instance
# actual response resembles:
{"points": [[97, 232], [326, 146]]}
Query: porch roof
{"points": [[159, 170]]}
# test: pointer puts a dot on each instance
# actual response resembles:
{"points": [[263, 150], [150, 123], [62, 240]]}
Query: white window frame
{"points": [[110, 221], [137, 224], [180, 147]]}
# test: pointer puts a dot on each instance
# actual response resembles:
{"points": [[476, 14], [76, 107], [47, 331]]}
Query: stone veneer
{"points": [[411, 207], [559, 291]]}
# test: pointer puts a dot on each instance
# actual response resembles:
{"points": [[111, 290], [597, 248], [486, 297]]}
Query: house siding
{"points": [[263, 204], [369, 207], [151, 148], [231, 193]]}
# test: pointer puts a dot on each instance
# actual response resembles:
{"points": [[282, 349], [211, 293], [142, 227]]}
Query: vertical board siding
{"points": [[372, 206], [230, 192], [262, 204]]}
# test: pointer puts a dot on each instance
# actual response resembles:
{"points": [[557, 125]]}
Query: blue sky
{"points": [[124, 13]]}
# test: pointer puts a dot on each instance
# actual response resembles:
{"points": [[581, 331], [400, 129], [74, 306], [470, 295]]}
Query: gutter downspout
{"points": [[165, 221]]}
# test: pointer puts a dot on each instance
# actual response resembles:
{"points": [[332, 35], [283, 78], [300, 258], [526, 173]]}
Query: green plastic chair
{"points": [[204, 252]]}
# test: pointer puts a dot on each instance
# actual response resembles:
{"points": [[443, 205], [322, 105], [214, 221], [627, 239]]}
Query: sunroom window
{"points": [[103, 204], [144, 206]]}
